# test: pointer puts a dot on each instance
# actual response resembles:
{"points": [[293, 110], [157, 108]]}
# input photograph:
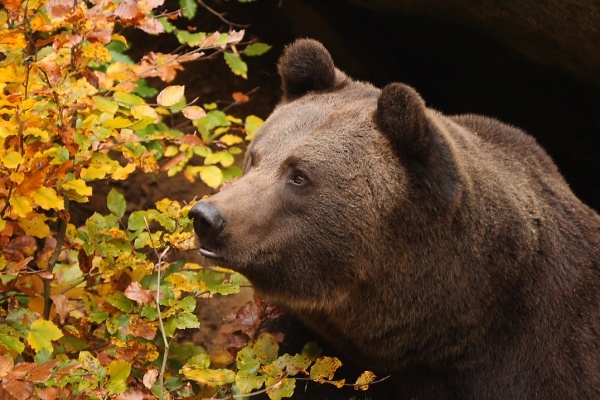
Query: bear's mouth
{"points": [[207, 253]]}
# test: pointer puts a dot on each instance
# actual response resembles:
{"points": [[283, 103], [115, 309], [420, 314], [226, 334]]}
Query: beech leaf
{"points": [[137, 293], [46, 198], [42, 333], [170, 95]]}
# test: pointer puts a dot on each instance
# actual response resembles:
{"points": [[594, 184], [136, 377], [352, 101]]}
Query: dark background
{"points": [[455, 68]]}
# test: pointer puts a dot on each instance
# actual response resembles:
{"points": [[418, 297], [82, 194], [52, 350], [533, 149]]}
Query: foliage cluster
{"points": [[92, 311]]}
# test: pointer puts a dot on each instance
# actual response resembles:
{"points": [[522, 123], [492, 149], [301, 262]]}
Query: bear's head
{"points": [[338, 182]]}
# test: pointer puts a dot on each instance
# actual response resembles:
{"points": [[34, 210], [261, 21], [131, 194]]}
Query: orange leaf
{"points": [[240, 97], [6, 365]]}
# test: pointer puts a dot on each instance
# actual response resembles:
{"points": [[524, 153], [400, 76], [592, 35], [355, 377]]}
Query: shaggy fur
{"points": [[447, 252]]}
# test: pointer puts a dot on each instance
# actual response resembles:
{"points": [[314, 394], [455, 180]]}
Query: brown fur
{"points": [[445, 251]]}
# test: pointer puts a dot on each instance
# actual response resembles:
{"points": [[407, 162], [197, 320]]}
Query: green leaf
{"points": [[191, 39], [115, 202], [120, 301], [256, 49], [189, 8], [247, 381], [127, 99], [105, 104], [13, 343], [42, 356], [236, 64], [149, 312], [251, 126], [292, 365], [42, 333], [118, 371], [280, 388], [182, 320], [265, 348]]}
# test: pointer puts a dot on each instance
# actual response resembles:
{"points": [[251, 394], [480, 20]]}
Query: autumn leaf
{"points": [[21, 206], [137, 293], [79, 186], [240, 97], [230, 139], [364, 380], [42, 333], [323, 370], [193, 112], [170, 95], [46, 198], [150, 377], [6, 365], [12, 159], [62, 306], [35, 226], [212, 176], [119, 372]]}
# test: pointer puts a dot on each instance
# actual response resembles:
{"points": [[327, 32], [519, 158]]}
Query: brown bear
{"points": [[445, 251]]}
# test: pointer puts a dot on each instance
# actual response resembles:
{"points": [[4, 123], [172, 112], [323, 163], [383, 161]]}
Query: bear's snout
{"points": [[208, 225]]}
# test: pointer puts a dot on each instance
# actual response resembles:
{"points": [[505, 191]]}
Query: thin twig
{"points": [[218, 15], [159, 263]]}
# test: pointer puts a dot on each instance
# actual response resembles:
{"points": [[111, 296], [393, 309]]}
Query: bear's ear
{"points": [[400, 115], [306, 66]]}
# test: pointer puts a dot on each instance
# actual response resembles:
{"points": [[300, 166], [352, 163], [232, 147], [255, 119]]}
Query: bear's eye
{"points": [[299, 179]]}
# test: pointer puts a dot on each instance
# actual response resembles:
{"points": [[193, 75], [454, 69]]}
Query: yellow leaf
{"points": [[222, 157], [46, 198], [170, 95], [17, 177], [12, 159], [10, 74], [38, 23], [230, 139], [40, 133], [12, 40], [212, 176], [145, 111], [35, 226], [42, 333], [92, 172], [118, 371], [117, 123], [193, 112], [119, 38], [119, 71], [96, 51], [20, 205], [79, 186], [123, 172]]}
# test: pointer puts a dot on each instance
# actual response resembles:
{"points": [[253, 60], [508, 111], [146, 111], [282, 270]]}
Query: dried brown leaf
{"points": [[62, 306], [150, 377], [6, 365], [137, 293]]}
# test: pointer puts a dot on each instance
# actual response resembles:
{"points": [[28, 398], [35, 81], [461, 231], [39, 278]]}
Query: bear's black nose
{"points": [[208, 223]]}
